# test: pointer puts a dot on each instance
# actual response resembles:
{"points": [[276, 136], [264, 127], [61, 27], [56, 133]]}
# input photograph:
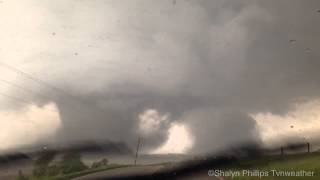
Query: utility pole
{"points": [[138, 146]]}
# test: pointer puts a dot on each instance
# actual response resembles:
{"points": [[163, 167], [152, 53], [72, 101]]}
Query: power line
{"points": [[18, 99], [22, 88], [39, 81], [13, 98], [46, 84]]}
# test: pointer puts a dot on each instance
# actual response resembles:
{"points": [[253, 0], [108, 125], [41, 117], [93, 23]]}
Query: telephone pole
{"points": [[138, 146]]}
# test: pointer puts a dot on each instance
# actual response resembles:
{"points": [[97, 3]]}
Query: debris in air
{"points": [[293, 41], [307, 50]]}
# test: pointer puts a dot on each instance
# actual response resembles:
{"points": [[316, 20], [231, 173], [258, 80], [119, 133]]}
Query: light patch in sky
{"points": [[180, 140], [27, 125], [151, 121], [302, 122]]}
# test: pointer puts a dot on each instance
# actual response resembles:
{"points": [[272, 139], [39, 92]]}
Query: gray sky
{"points": [[212, 66]]}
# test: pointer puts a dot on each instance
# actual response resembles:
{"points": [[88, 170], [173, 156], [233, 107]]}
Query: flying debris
{"points": [[174, 2], [307, 50], [293, 41]]}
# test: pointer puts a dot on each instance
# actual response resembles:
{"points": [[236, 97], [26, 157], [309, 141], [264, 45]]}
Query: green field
{"points": [[70, 166], [309, 162], [72, 174]]}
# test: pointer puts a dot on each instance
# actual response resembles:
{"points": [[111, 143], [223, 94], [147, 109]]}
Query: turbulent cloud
{"points": [[217, 129], [150, 121], [208, 64], [179, 140]]}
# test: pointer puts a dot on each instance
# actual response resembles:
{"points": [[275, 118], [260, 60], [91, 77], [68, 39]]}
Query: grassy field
{"points": [[73, 174], [68, 167], [308, 162], [293, 163]]}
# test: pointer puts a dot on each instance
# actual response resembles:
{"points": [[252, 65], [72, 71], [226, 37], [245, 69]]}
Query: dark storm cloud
{"points": [[219, 129], [206, 63]]}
